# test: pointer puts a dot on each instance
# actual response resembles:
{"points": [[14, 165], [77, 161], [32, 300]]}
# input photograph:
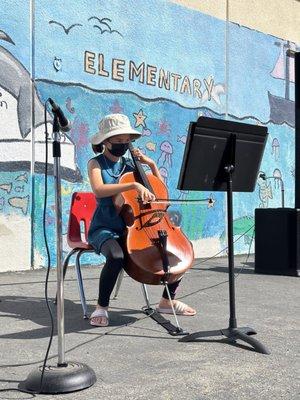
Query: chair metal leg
{"points": [[65, 267], [80, 285], [118, 284], [146, 296]]}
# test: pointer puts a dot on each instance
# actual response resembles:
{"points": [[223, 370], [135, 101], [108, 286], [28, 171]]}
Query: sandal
{"points": [[180, 308], [99, 312]]}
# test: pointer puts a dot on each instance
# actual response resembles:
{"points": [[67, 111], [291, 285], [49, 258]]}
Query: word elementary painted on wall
{"points": [[119, 70]]}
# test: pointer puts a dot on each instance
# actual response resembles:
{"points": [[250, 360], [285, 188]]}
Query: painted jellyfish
{"points": [[166, 154], [275, 148], [164, 173], [278, 177]]}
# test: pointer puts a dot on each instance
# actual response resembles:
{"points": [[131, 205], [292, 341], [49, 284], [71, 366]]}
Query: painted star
{"points": [[140, 119], [211, 202]]}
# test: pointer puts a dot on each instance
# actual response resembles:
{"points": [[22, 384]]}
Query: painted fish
{"points": [[181, 139], [22, 177], [6, 186], [20, 202], [151, 146], [146, 132]]}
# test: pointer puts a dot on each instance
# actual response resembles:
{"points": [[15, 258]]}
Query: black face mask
{"points": [[118, 149]]}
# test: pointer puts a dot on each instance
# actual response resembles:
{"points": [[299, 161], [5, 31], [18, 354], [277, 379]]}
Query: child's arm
{"points": [[111, 189]]}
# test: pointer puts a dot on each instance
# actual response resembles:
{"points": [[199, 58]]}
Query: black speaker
{"points": [[277, 241]]}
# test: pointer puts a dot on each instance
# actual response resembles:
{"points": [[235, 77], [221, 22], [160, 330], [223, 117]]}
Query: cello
{"points": [[157, 251]]}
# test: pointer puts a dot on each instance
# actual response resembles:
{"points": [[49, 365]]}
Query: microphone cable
{"points": [[47, 249], [214, 256], [209, 258], [48, 268], [225, 248]]}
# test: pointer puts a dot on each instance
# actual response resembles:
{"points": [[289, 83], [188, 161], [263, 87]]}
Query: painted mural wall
{"points": [[100, 57]]}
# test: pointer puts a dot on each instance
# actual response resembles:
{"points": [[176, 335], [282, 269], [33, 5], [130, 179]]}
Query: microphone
{"points": [[64, 123]]}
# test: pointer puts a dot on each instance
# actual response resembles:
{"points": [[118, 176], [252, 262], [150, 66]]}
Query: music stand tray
{"points": [[224, 156]]}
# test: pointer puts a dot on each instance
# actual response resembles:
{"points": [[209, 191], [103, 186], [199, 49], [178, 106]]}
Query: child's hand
{"points": [[145, 194], [142, 157]]}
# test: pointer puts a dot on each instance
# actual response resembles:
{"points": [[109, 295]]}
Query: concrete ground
{"points": [[135, 358]]}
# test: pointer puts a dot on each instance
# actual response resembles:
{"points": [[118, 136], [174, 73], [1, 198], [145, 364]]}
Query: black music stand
{"points": [[224, 156]]}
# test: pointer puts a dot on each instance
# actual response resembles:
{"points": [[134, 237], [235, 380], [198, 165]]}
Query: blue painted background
{"points": [[182, 41]]}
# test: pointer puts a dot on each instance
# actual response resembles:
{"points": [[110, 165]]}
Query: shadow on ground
{"points": [[35, 310]]}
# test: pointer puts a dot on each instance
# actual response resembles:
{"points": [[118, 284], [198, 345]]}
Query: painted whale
{"points": [[22, 120]]}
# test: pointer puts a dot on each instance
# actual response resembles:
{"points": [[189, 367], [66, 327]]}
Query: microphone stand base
{"points": [[69, 377]]}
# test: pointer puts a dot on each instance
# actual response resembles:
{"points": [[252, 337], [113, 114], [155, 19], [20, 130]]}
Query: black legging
{"points": [[114, 254]]}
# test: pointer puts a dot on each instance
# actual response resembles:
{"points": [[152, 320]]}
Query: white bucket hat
{"points": [[112, 125]]}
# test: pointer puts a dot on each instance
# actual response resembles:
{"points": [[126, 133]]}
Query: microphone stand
{"points": [[65, 377]]}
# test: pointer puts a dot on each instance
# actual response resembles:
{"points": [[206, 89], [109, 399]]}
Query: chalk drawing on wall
{"points": [[6, 187], [16, 122], [6, 37], [65, 29], [151, 146], [57, 64], [275, 148], [164, 127], [152, 86], [20, 202], [104, 25], [213, 91], [140, 118], [181, 139], [164, 173], [265, 191], [69, 105], [22, 177], [278, 177], [165, 157], [242, 226], [211, 201], [282, 109]]}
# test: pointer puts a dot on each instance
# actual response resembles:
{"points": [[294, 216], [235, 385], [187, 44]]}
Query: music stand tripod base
{"points": [[67, 378], [233, 334]]}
